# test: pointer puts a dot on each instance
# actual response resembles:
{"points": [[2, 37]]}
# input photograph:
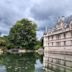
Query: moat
{"points": [[58, 63], [33, 62]]}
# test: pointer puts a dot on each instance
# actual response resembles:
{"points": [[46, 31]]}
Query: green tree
{"points": [[23, 34], [2, 43], [38, 45]]}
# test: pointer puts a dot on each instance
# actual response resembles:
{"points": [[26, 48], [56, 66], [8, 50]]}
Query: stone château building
{"points": [[58, 40]]}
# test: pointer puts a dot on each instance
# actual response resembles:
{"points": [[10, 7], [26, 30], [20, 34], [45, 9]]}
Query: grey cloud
{"points": [[10, 12], [47, 11], [50, 8], [43, 12], [46, 14]]}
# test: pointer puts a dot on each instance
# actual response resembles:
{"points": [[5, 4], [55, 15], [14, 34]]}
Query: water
{"points": [[33, 62], [59, 63], [28, 62]]}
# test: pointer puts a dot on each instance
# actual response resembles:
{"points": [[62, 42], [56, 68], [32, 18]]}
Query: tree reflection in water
{"points": [[20, 63]]}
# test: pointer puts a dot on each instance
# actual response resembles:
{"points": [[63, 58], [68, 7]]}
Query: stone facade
{"points": [[59, 38], [58, 41]]}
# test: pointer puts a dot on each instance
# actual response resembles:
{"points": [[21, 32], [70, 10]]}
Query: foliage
{"points": [[38, 45], [23, 34], [2, 42]]}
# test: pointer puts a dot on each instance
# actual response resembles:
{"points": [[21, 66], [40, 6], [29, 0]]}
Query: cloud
{"points": [[47, 11], [39, 34], [43, 12], [11, 11]]}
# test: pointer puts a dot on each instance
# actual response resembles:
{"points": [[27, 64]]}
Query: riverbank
{"points": [[16, 51]]}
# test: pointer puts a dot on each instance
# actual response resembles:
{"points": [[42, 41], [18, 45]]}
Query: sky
{"points": [[43, 12]]}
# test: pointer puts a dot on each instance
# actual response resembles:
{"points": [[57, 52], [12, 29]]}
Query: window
{"points": [[71, 42], [48, 44], [64, 43], [71, 34], [57, 36], [64, 35], [52, 37], [58, 43], [52, 43], [48, 37]]}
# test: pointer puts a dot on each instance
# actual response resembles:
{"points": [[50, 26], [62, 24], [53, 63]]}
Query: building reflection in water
{"points": [[58, 63]]}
